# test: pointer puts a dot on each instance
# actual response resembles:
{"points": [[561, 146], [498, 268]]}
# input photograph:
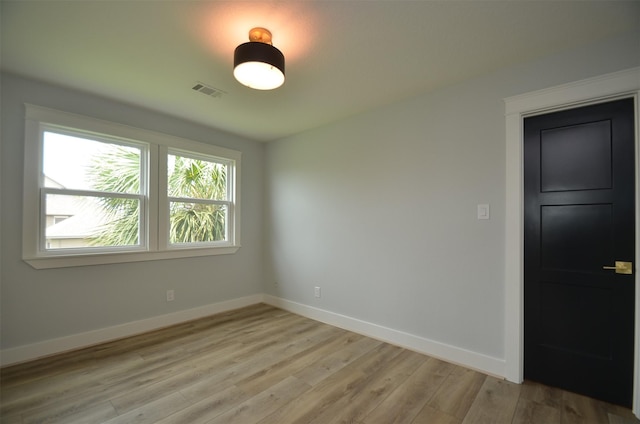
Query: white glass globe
{"points": [[259, 75]]}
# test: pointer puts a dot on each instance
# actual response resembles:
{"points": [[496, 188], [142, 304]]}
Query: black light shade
{"points": [[258, 65]]}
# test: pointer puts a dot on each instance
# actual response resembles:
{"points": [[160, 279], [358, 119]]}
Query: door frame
{"points": [[580, 93]]}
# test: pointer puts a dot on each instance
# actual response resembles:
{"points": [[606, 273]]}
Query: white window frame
{"points": [[143, 197], [155, 234], [229, 203]]}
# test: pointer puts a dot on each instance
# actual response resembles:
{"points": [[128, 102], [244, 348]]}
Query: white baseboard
{"points": [[49, 347], [469, 359], [466, 358]]}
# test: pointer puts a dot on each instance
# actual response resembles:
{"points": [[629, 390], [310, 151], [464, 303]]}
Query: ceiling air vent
{"points": [[208, 90]]}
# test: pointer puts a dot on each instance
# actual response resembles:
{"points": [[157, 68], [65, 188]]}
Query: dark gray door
{"points": [[579, 221]]}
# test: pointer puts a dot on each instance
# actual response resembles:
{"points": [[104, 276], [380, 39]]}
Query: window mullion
{"points": [[202, 201], [91, 193], [162, 202]]}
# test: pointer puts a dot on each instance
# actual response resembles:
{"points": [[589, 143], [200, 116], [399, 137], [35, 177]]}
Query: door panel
{"points": [[579, 217], [577, 327], [591, 142], [575, 237]]}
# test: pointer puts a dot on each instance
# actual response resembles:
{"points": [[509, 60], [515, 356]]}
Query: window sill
{"points": [[116, 258]]}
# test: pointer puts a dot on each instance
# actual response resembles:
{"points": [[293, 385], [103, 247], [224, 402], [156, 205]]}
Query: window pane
{"points": [[91, 221], [84, 164], [196, 178], [196, 222]]}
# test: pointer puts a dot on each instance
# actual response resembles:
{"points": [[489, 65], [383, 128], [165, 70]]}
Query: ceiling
{"points": [[342, 57]]}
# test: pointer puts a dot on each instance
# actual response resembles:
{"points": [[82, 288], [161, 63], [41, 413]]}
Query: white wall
{"points": [[380, 210], [42, 305]]}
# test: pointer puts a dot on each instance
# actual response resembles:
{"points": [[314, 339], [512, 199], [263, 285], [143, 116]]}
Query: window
{"points": [[199, 205], [98, 192], [99, 184]]}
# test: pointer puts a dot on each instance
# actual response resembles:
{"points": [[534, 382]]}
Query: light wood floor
{"points": [[264, 365]]}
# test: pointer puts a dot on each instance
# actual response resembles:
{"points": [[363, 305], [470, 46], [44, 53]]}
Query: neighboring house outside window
{"points": [[58, 212], [68, 223], [99, 192]]}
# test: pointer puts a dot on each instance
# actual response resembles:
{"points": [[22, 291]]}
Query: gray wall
{"points": [[39, 305], [380, 210]]}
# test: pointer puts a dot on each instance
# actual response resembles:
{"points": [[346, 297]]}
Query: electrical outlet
{"points": [[171, 295], [316, 291]]}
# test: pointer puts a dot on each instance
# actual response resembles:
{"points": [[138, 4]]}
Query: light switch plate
{"points": [[483, 211]]}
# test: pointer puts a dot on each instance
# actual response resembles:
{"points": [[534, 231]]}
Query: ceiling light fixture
{"points": [[257, 64]]}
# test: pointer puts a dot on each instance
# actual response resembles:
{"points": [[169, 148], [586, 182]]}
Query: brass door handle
{"points": [[621, 267]]}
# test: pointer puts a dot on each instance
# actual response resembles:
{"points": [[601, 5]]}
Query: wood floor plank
{"points": [[199, 371], [36, 393], [94, 413], [165, 366], [617, 419], [406, 402], [371, 392], [541, 394], [71, 403], [262, 364], [153, 411], [208, 408], [336, 360], [314, 402], [224, 376], [578, 409], [135, 379], [431, 415], [13, 419], [44, 368], [308, 405], [263, 404], [495, 403], [333, 388], [458, 392], [530, 412], [294, 364], [222, 327]]}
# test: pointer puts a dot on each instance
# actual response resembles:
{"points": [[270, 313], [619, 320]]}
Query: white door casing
{"points": [[593, 90]]}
